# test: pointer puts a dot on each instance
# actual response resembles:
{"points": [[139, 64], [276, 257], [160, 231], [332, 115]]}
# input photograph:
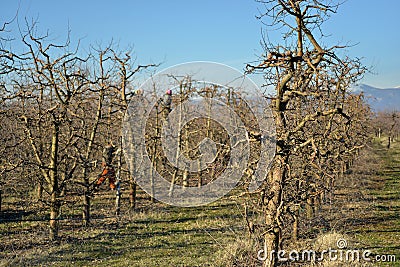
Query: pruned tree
{"points": [[125, 70], [42, 88], [310, 83], [387, 123], [69, 106]]}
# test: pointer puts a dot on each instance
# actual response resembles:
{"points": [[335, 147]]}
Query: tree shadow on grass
{"points": [[14, 215]]}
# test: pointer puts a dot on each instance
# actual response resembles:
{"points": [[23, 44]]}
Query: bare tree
{"points": [[387, 123], [44, 86], [99, 112], [310, 83], [125, 70]]}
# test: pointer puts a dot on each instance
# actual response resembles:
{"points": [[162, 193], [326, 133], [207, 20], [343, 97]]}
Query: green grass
{"points": [[160, 236], [381, 233]]}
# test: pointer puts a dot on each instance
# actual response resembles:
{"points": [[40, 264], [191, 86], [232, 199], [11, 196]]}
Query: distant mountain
{"points": [[387, 99]]}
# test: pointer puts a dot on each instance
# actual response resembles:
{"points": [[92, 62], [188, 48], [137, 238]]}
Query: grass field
{"points": [[377, 227], [367, 212], [367, 209], [156, 235]]}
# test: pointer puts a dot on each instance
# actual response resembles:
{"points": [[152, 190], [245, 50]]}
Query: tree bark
{"points": [[86, 207], [295, 230], [132, 193], [118, 180], [39, 190], [54, 187], [309, 207], [118, 199], [54, 212], [272, 213]]}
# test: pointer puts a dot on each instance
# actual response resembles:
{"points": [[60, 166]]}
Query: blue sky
{"points": [[224, 31]]}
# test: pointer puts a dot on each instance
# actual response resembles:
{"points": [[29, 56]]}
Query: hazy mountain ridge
{"points": [[387, 99]]}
